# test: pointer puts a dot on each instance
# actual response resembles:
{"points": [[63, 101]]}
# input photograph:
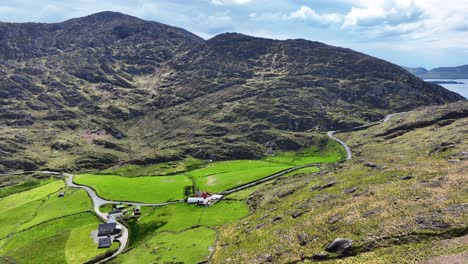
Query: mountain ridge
{"points": [[128, 90]]}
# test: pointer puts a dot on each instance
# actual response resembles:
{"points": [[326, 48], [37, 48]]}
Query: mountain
{"points": [[109, 88], [460, 72]]}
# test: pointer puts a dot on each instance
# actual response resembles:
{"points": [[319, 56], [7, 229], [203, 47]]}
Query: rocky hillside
{"points": [[108, 88], [401, 199]]}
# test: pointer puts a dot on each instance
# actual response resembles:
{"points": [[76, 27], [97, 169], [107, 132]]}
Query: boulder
{"points": [[340, 245]]}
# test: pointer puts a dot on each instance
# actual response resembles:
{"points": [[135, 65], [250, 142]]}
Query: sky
{"points": [[427, 33]]}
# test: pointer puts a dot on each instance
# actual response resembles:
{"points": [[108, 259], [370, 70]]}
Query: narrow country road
{"points": [[349, 154]]}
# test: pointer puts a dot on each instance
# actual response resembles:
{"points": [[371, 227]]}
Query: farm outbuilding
{"points": [[104, 242], [195, 200], [204, 199], [115, 214]]}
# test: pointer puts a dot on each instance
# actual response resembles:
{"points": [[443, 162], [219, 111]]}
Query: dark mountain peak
{"points": [[236, 38], [105, 16]]}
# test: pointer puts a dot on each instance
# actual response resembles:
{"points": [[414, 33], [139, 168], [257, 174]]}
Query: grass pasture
{"points": [[15, 200], [61, 240], [212, 176], [74, 201], [190, 246], [141, 189], [178, 232]]}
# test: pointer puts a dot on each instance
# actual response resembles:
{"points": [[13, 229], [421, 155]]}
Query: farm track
{"points": [[123, 239]]}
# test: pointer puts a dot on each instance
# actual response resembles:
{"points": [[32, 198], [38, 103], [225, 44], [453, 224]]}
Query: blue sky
{"points": [[428, 33]]}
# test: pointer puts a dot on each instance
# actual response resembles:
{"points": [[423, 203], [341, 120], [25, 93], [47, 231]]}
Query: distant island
{"points": [[460, 72], [446, 82]]}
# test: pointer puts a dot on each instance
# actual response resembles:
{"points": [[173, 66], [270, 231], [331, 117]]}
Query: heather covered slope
{"points": [[401, 199], [109, 88]]}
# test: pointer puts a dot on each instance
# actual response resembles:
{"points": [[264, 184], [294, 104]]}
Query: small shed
{"points": [[119, 206], [108, 229], [115, 214], [61, 194], [137, 210], [104, 242]]}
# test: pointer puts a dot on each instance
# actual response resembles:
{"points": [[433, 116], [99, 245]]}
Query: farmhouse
{"points": [[204, 198], [108, 229], [104, 242]]}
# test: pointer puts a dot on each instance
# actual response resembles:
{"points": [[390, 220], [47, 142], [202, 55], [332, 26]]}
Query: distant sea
{"points": [[458, 88]]}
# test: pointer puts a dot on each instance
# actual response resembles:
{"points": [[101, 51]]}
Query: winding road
{"points": [[123, 239], [349, 154]]}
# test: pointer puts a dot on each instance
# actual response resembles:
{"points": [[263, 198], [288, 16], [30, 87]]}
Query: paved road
{"points": [[349, 154]]}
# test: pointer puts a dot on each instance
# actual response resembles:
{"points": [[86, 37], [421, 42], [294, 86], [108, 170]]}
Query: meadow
{"points": [[179, 232], [61, 240], [124, 185], [37, 226], [140, 189]]}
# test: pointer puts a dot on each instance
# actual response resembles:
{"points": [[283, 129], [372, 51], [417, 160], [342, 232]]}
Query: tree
{"points": [[188, 191]]}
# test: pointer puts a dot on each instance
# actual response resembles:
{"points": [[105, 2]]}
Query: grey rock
{"points": [[407, 177], [328, 185], [296, 214], [340, 245], [350, 190], [335, 219]]}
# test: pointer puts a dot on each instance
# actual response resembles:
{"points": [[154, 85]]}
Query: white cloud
{"points": [[307, 13], [389, 12], [230, 2]]}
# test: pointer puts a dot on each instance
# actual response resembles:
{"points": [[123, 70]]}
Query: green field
{"points": [[213, 176], [62, 240], [74, 201], [25, 184], [165, 168], [18, 199], [191, 246], [217, 176], [178, 232], [140, 189], [44, 204], [39, 227]]}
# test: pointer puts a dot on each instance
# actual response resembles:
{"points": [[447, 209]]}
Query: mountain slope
{"points": [[401, 199], [460, 72], [108, 88]]}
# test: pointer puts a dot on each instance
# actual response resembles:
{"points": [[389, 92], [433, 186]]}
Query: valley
{"points": [[124, 140], [167, 220]]}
